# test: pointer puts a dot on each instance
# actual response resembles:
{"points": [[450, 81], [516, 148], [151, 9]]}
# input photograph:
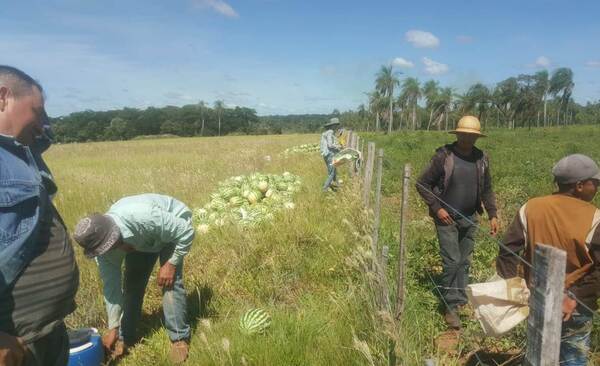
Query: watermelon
{"points": [[255, 321]]}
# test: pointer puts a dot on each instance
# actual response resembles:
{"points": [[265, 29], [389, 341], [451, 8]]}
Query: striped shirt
{"points": [[44, 293]]}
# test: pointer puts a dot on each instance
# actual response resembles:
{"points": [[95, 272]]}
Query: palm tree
{"points": [[542, 88], [362, 113], [376, 105], [505, 98], [385, 82], [411, 93], [201, 109], [441, 108], [477, 100], [430, 92], [219, 106], [562, 82]]}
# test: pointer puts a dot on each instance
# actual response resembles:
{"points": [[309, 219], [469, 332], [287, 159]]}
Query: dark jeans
{"points": [[138, 267], [456, 248], [331, 171], [575, 339], [51, 350]]}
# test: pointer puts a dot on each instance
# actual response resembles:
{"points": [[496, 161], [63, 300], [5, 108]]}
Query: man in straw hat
{"points": [[455, 185], [566, 220], [139, 230], [329, 147]]}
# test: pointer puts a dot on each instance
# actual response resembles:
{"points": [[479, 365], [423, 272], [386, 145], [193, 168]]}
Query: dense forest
{"points": [[536, 100]]}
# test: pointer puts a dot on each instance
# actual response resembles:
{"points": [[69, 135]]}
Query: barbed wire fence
{"points": [[545, 320]]}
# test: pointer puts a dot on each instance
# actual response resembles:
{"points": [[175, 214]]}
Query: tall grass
{"points": [[305, 267], [521, 163]]}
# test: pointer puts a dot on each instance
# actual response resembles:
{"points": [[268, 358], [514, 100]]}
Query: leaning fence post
{"points": [[384, 288], [402, 247], [368, 174], [545, 316]]}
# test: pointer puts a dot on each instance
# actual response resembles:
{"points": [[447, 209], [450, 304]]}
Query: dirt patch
{"points": [[447, 342]]}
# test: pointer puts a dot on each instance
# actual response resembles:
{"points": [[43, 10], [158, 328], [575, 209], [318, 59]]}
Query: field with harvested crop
{"points": [[305, 265], [302, 266]]}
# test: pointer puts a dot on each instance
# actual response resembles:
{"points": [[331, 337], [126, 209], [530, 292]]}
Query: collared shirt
{"points": [[148, 222], [563, 222], [26, 188], [329, 143]]}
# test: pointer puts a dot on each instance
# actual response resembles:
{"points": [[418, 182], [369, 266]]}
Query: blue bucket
{"points": [[85, 347]]}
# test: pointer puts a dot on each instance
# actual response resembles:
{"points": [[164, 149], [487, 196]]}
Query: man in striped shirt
{"points": [[566, 220]]}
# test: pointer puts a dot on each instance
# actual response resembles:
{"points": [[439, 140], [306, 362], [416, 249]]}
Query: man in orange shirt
{"points": [[568, 221]]}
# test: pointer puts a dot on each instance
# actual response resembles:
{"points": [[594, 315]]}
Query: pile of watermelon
{"points": [[301, 149], [247, 200]]}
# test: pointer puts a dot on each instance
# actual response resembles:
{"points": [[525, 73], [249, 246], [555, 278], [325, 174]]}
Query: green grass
{"points": [[521, 163], [306, 267]]}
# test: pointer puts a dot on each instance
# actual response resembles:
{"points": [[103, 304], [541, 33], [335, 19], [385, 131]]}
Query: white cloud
{"points": [[593, 64], [400, 62], [219, 6], [434, 67], [542, 62], [422, 39], [464, 39]]}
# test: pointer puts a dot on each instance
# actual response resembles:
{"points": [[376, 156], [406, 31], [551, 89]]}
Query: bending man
{"points": [[139, 230]]}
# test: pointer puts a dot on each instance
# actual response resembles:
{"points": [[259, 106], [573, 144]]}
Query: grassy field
{"points": [[521, 163], [306, 268]]}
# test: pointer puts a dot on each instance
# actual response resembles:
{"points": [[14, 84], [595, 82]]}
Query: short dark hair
{"points": [[18, 81]]}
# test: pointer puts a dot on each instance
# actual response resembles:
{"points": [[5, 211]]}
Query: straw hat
{"points": [[468, 124]]}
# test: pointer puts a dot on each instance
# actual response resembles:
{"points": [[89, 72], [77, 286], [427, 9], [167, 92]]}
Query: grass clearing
{"points": [[303, 268], [521, 163]]}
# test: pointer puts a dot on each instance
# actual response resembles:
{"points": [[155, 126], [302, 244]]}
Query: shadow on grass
{"points": [[482, 358], [198, 307]]}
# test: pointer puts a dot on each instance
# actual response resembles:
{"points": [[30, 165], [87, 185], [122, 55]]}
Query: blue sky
{"points": [[284, 56]]}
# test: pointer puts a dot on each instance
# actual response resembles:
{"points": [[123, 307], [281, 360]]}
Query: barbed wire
{"points": [[498, 241]]}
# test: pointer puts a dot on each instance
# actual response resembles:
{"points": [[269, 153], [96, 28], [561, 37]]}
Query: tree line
{"points": [[190, 120], [538, 100], [542, 99]]}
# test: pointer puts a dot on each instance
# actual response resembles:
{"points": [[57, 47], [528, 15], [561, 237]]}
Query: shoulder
{"points": [[442, 152]]}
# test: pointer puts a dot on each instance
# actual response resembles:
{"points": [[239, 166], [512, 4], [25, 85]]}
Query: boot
{"points": [[179, 351], [452, 319]]}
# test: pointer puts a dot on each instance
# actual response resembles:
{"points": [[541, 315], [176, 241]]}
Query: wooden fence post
{"points": [[545, 307], [377, 208], [357, 164], [385, 290], [402, 247], [368, 174], [348, 139]]}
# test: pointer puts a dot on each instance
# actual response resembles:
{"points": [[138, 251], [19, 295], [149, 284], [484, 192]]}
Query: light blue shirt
{"points": [[148, 222], [329, 143]]}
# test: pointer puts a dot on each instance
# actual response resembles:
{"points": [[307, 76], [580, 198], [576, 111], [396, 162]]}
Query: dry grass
{"points": [[295, 267]]}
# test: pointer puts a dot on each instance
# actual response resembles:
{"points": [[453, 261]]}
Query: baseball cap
{"points": [[96, 234], [575, 168]]}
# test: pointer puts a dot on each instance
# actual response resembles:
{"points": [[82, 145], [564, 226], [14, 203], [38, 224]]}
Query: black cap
{"points": [[96, 234]]}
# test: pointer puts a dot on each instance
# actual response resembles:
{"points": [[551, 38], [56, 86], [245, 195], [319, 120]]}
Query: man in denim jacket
{"points": [[38, 272]]}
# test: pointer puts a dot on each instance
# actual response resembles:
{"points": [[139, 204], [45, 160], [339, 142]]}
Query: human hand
{"points": [[568, 307], [166, 275], [494, 226], [444, 217], [12, 351], [109, 339]]}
